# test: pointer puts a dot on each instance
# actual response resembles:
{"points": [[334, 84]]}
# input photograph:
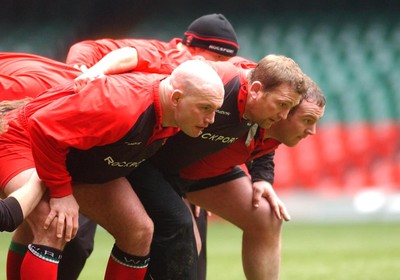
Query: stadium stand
{"points": [[355, 59]]}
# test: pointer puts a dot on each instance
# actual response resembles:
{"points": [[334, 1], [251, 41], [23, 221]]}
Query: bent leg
{"points": [[115, 207], [232, 201], [22, 236], [173, 250], [22, 265], [201, 223], [19, 245]]}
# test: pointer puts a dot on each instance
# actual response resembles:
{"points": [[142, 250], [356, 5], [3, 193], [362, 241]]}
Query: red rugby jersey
{"points": [[26, 75], [95, 136], [153, 56], [225, 160], [163, 57]]}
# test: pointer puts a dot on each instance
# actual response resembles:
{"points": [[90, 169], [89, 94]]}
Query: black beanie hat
{"points": [[214, 33]]}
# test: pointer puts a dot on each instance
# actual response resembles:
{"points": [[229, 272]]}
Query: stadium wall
{"points": [[350, 48]]}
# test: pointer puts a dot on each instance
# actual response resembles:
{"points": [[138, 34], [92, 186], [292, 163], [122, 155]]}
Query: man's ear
{"points": [[175, 96], [255, 87]]}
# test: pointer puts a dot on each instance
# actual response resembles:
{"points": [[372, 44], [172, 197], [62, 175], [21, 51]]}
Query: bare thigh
{"points": [[18, 181], [232, 201], [114, 206]]}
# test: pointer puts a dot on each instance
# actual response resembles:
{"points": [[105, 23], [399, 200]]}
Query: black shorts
{"points": [[206, 183]]}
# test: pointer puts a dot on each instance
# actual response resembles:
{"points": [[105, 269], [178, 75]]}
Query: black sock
{"points": [[129, 260]]}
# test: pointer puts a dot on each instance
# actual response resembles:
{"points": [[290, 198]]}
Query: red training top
{"points": [[153, 56], [225, 160], [26, 75], [98, 135]]}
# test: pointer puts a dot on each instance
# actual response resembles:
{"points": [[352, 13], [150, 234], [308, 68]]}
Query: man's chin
{"points": [[266, 125], [292, 144], [194, 133]]}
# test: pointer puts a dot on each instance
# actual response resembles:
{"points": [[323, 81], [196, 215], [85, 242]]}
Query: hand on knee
{"points": [[47, 237]]}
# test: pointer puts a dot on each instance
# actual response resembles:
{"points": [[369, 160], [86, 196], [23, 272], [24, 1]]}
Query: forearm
{"points": [[89, 52], [118, 61], [263, 168], [11, 215], [29, 195]]}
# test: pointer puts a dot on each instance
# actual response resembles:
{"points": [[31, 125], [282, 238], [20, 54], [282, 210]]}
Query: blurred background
{"points": [[341, 186], [351, 168]]}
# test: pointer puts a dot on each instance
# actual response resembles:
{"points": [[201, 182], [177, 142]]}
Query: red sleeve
{"points": [[242, 62], [160, 57], [154, 60], [154, 56], [99, 115], [89, 52], [226, 70]]}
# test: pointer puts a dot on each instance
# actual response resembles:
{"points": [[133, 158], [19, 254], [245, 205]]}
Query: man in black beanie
{"points": [[214, 33], [210, 36]]}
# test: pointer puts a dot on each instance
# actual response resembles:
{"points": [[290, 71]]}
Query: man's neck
{"points": [[167, 112]]}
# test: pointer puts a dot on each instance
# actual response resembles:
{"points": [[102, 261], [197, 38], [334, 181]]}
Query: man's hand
{"points": [[87, 75], [66, 209], [263, 189], [197, 210], [82, 68]]}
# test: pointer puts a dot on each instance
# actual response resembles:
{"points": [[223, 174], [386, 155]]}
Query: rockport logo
{"points": [[124, 164], [216, 137], [133, 143], [223, 112], [218, 48]]}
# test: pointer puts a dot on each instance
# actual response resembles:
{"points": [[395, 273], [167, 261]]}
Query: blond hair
{"points": [[7, 106], [274, 70], [3, 126]]}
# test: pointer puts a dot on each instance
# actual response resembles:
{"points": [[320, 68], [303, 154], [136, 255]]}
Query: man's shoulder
{"points": [[226, 70]]}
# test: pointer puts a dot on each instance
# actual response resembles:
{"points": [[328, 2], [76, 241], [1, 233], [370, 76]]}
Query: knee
{"points": [[264, 222], [146, 230], [185, 221], [179, 222], [38, 216], [141, 231], [43, 236]]}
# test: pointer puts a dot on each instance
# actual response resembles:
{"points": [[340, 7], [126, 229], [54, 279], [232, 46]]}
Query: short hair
{"points": [[274, 70], [313, 95]]}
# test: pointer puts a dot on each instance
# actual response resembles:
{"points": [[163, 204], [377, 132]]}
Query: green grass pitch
{"points": [[357, 251]]}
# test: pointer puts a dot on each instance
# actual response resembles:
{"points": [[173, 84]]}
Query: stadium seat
{"points": [[360, 141], [387, 135], [307, 162], [334, 155], [355, 179], [285, 174], [383, 173]]}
